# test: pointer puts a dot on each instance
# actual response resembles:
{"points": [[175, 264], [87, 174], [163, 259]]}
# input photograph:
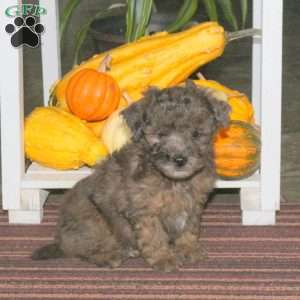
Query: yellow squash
{"points": [[161, 60], [96, 127], [60, 140], [115, 133], [241, 108]]}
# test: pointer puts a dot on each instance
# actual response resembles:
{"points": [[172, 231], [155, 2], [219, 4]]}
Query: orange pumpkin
{"points": [[97, 126], [92, 95], [237, 150]]}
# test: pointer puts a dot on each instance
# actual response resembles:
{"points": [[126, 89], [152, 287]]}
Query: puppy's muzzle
{"points": [[158, 152], [178, 160]]}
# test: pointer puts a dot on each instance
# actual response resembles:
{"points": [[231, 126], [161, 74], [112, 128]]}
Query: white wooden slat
{"points": [[38, 176], [259, 217], [249, 182], [32, 202], [11, 89], [271, 81], [25, 216], [50, 46]]}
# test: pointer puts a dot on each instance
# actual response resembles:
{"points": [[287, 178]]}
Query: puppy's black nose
{"points": [[180, 160]]}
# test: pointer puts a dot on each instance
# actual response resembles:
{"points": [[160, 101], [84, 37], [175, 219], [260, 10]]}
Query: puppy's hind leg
{"points": [[111, 255], [106, 248], [47, 252]]}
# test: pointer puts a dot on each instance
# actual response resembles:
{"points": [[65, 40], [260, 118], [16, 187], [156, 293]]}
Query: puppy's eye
{"points": [[146, 119], [162, 134], [195, 134]]}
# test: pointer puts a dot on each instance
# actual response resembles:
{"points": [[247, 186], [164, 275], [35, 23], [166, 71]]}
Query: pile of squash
{"points": [[84, 125]]}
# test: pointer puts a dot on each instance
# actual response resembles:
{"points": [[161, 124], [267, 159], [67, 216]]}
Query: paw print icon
{"points": [[25, 32]]}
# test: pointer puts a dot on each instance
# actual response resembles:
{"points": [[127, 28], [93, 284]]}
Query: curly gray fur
{"points": [[146, 200]]}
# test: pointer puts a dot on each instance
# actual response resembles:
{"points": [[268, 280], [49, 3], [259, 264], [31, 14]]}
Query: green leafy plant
{"points": [[138, 15], [137, 18]]}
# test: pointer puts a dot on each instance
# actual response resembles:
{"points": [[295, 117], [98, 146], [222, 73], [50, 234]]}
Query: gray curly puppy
{"points": [[146, 200]]}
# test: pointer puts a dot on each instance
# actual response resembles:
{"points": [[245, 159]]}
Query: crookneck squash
{"points": [[60, 140], [161, 60], [237, 150]]}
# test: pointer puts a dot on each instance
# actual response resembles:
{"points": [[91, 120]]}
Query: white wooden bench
{"points": [[24, 192]]}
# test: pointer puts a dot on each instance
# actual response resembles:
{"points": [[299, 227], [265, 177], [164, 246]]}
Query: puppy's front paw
{"points": [[166, 264]]}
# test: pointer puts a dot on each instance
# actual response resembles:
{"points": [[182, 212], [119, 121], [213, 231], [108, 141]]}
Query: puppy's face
{"points": [[179, 147], [177, 126]]}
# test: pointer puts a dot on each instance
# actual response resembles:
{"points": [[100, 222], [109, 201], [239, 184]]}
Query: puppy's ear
{"points": [[220, 109], [136, 115], [133, 117], [217, 101]]}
